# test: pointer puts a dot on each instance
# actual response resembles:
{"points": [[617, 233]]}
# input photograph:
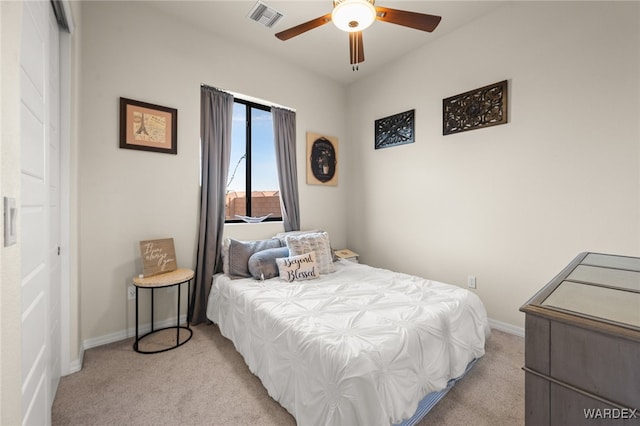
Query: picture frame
{"points": [[476, 109], [322, 159], [148, 127], [394, 130]]}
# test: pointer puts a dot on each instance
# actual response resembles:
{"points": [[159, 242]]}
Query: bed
{"points": [[356, 346]]}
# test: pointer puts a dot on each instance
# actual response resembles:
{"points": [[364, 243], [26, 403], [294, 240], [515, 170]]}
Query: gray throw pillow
{"points": [[262, 264], [241, 251]]}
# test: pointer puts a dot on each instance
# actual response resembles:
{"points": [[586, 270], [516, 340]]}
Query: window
{"points": [[252, 169]]}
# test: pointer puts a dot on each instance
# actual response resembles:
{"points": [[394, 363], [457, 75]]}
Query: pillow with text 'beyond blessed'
{"points": [[298, 268]]}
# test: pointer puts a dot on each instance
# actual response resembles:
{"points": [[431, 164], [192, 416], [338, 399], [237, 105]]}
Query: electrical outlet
{"points": [[471, 281], [131, 292]]}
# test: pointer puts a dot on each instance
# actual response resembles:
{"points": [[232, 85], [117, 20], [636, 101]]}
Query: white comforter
{"points": [[360, 346]]}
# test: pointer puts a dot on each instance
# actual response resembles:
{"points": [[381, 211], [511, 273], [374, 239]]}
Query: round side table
{"points": [[169, 279]]}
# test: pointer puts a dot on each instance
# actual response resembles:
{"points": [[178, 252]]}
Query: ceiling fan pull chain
{"points": [[354, 50]]}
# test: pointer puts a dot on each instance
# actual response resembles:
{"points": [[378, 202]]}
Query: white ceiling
{"points": [[324, 50]]}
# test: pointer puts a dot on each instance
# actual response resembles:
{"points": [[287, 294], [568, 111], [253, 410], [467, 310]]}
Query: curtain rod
{"points": [[215, 88], [249, 98]]}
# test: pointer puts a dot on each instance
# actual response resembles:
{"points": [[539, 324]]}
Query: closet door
{"points": [[39, 208]]}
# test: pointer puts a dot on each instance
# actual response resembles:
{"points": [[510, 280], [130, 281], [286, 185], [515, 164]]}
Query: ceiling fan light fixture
{"points": [[353, 15]]}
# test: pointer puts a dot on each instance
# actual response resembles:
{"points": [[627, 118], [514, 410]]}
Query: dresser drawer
{"points": [[606, 366]]}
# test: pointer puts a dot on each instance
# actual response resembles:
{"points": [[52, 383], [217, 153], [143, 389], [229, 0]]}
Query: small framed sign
{"points": [[148, 127], [158, 256]]}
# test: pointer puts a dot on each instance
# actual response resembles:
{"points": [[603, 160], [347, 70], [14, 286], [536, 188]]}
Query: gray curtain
{"points": [[215, 132], [284, 129]]}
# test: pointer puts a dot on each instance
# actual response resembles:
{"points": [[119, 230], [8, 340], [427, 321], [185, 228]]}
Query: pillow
{"points": [[262, 264], [241, 251], [282, 236], [298, 268], [225, 255], [318, 243]]}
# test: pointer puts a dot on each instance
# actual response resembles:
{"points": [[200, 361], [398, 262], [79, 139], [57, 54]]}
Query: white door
{"points": [[39, 212]]}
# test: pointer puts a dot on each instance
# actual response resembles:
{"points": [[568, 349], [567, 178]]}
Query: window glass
{"points": [[252, 169]]}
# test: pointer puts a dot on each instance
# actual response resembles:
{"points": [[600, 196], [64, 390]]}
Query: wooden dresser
{"points": [[582, 345]]}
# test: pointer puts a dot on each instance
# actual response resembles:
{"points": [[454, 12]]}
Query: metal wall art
{"points": [[483, 107], [395, 130]]}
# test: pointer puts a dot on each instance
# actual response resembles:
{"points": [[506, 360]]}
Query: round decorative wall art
{"points": [[322, 165]]}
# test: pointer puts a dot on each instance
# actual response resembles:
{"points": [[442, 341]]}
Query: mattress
{"points": [[359, 346]]}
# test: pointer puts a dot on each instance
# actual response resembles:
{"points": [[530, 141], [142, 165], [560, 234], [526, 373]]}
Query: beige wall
{"points": [[510, 204], [10, 278], [131, 50]]}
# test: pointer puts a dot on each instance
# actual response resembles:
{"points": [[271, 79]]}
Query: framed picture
{"points": [[475, 109], [398, 129], [148, 127], [322, 159]]}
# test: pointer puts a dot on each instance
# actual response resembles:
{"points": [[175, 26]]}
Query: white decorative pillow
{"points": [[318, 243], [225, 255], [298, 268], [282, 236]]}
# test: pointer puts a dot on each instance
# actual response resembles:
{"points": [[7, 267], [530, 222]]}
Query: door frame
{"points": [[67, 197]]}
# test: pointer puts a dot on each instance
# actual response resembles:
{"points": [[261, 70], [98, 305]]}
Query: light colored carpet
{"points": [[206, 382]]}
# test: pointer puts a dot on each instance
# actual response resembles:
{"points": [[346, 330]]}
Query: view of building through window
{"points": [[252, 169]]}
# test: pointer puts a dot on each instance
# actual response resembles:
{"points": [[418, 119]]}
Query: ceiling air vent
{"points": [[264, 14]]}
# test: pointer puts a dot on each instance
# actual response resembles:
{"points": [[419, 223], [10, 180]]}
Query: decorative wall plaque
{"points": [[483, 107], [322, 159], [395, 130]]}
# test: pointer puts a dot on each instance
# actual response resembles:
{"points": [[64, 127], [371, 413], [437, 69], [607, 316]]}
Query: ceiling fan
{"points": [[353, 16]]}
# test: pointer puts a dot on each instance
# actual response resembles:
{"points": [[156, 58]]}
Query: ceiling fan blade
{"points": [[356, 48], [303, 28], [418, 21]]}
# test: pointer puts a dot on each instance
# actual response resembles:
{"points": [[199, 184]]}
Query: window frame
{"points": [[248, 132]]}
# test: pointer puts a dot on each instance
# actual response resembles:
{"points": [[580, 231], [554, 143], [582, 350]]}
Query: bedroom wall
{"points": [[510, 204], [129, 49]]}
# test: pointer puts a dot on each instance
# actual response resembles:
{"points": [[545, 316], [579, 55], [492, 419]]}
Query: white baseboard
{"points": [[507, 328], [131, 332], [76, 366]]}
